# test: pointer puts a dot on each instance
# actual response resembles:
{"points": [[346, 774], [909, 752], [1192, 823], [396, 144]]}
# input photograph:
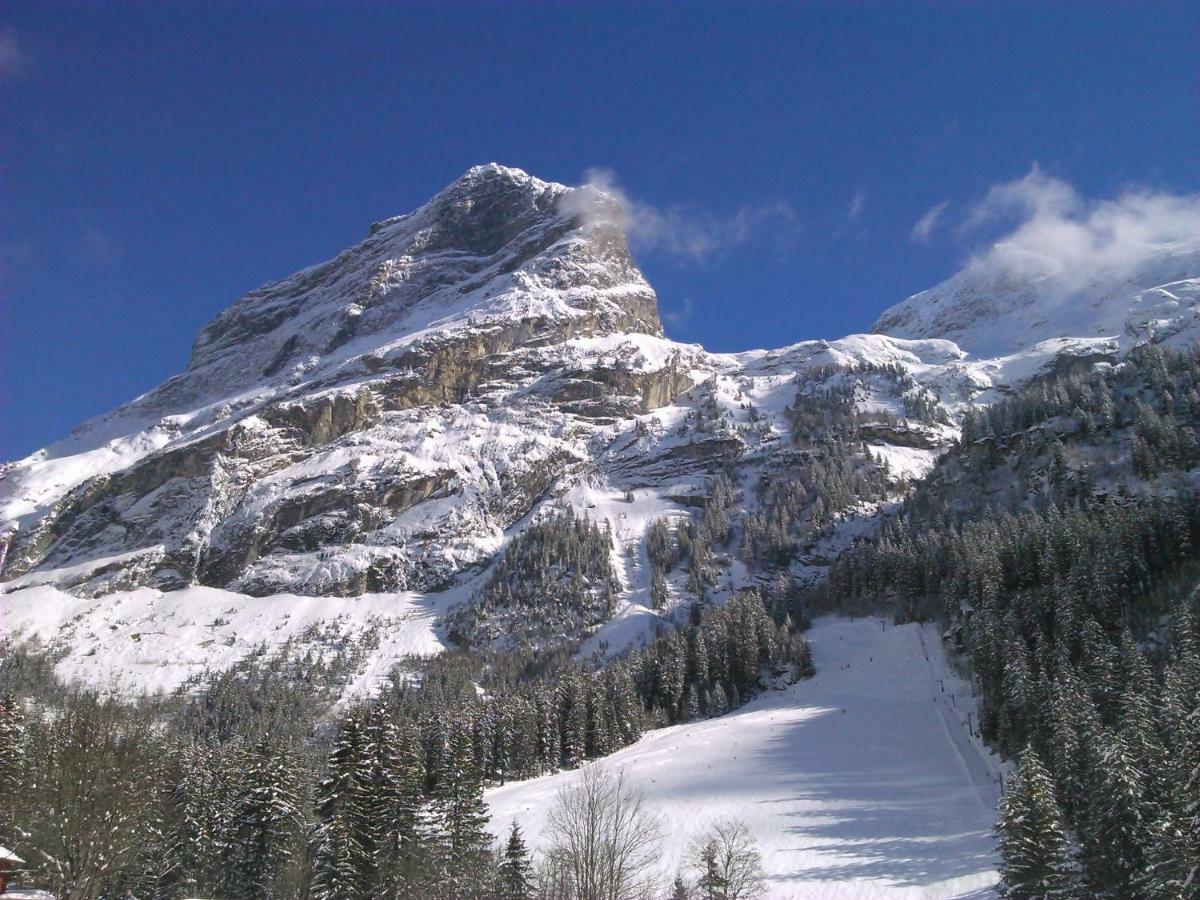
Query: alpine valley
{"points": [[455, 493]]}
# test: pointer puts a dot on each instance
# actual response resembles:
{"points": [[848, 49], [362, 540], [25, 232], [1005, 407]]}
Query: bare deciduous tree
{"points": [[729, 862], [90, 793], [603, 842]]}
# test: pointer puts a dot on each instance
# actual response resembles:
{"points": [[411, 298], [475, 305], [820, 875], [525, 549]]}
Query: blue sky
{"points": [[158, 161]]}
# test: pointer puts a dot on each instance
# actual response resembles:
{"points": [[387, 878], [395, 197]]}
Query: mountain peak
{"points": [[496, 245], [493, 171], [1015, 298]]}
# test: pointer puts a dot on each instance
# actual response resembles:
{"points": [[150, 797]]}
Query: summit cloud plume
{"points": [[1043, 221], [690, 232]]}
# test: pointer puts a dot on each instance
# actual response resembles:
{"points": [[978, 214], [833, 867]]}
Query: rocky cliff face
{"points": [[300, 449], [378, 427]]}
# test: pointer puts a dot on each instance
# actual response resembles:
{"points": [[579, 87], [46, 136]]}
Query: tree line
{"points": [[247, 787]]}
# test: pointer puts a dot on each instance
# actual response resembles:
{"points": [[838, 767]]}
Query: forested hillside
{"points": [[257, 785], [1059, 546]]}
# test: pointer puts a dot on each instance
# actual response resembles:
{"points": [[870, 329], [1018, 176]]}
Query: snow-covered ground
{"points": [[150, 641], [860, 782]]}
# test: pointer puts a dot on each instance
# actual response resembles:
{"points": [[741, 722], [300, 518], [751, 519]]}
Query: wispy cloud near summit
{"points": [[928, 223], [691, 232], [1046, 217]]}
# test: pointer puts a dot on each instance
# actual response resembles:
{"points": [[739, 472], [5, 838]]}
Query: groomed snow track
{"points": [[861, 782]]}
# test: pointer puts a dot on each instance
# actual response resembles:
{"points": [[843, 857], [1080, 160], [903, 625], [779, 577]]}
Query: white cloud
{"points": [[1035, 195], [678, 318], [929, 223], [692, 232], [1048, 224], [849, 223], [14, 57], [858, 203]]}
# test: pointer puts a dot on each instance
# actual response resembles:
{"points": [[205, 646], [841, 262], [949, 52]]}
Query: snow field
{"points": [[147, 641]]}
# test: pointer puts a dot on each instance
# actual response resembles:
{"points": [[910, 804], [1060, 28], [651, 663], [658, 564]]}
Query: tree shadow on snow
{"points": [[898, 809]]}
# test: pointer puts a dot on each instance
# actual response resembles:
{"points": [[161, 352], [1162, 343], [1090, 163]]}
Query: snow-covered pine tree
{"points": [[1033, 844], [199, 786], [12, 750], [627, 709], [516, 869], [573, 718], [600, 740], [460, 819], [397, 777], [692, 704], [341, 841], [801, 656], [1116, 833], [710, 885], [265, 821], [1172, 869]]}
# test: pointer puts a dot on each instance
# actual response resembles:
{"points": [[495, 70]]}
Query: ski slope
{"points": [[861, 782]]}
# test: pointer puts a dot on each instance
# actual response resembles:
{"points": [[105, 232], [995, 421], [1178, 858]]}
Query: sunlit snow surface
{"points": [[150, 641], [860, 782]]}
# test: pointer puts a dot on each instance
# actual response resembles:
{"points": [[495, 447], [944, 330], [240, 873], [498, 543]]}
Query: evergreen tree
{"points": [[711, 884], [516, 870], [1033, 845], [460, 820], [265, 819], [12, 753], [199, 787], [342, 861], [659, 592], [1116, 834], [573, 703]]}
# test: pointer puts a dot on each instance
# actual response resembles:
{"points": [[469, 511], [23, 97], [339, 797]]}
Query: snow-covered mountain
{"points": [[319, 409], [351, 448], [1013, 300]]}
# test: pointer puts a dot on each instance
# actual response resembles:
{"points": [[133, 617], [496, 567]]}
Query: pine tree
{"points": [[341, 851], [11, 762], [265, 819], [460, 819], [692, 709], [599, 735], [720, 703], [801, 656], [574, 721], [1173, 856], [516, 870], [659, 593], [1033, 844], [392, 797], [1117, 831], [711, 884], [200, 789]]}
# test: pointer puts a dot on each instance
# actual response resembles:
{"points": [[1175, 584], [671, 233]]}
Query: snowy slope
{"points": [[147, 641], [860, 782], [1014, 300], [628, 472]]}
